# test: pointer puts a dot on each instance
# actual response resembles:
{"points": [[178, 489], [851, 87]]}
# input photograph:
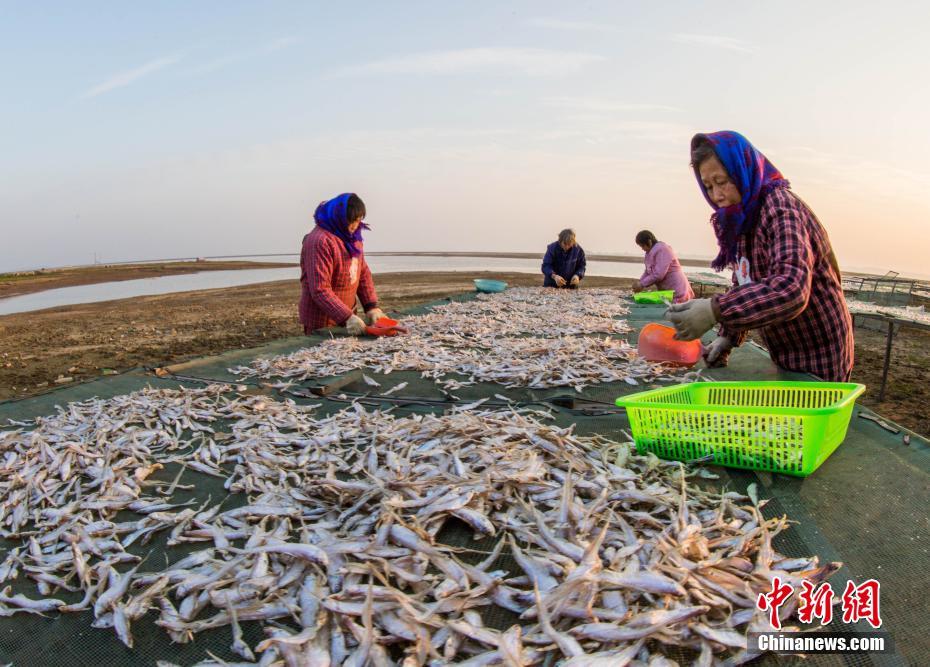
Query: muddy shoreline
{"points": [[30, 282]]}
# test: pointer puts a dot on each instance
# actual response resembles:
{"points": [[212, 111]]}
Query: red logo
{"points": [[773, 600], [816, 603], [861, 602]]}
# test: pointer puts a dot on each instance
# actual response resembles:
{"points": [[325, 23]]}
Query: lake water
{"points": [[125, 289]]}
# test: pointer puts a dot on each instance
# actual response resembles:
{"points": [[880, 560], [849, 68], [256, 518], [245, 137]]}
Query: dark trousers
{"points": [[549, 282]]}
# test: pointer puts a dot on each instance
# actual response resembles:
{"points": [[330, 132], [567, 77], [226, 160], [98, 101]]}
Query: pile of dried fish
{"points": [[572, 361], [336, 541], [547, 313], [488, 340]]}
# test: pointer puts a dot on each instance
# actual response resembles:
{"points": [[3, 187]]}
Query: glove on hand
{"points": [[692, 319], [355, 326], [718, 352], [374, 315]]}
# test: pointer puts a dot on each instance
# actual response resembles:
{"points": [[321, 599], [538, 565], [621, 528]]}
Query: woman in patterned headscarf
{"points": [[333, 271], [786, 280]]}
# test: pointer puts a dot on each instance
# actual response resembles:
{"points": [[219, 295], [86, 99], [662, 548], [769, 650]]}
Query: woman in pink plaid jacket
{"points": [[333, 271]]}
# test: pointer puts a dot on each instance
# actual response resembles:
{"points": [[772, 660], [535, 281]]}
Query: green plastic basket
{"points": [[786, 427], [660, 296]]}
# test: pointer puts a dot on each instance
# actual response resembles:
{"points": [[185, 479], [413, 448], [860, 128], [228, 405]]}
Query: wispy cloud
{"points": [[126, 78], [604, 105], [531, 62], [216, 64], [242, 55], [574, 26], [715, 41]]}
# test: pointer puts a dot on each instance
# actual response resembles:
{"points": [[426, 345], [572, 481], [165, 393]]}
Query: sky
{"points": [[138, 131]]}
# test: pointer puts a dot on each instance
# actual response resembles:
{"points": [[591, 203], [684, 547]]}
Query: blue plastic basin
{"points": [[489, 286]]}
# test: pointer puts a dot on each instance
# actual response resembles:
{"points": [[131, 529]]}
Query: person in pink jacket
{"points": [[662, 268]]}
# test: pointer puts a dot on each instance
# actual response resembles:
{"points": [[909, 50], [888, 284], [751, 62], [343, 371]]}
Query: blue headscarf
{"points": [[753, 175], [331, 216]]}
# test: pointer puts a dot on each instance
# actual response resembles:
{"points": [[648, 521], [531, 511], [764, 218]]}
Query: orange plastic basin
{"points": [[385, 326], [657, 343]]}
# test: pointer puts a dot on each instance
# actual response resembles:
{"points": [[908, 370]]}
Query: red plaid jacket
{"points": [[795, 295], [330, 279]]}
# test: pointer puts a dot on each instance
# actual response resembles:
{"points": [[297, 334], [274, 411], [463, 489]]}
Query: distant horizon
{"points": [[515, 254]]}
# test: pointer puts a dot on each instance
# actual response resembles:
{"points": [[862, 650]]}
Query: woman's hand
{"points": [[575, 280], [374, 315], [718, 352], [692, 319], [637, 286], [559, 280], [355, 325]]}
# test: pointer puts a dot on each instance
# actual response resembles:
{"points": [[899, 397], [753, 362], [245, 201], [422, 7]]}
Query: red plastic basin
{"points": [[385, 326]]}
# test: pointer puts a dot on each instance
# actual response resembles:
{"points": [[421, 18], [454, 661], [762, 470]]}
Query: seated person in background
{"points": [[333, 271], [564, 263], [662, 268]]}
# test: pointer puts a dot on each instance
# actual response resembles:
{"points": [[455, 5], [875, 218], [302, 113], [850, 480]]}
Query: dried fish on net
{"points": [[544, 313], [908, 313], [488, 340], [618, 556], [574, 361]]}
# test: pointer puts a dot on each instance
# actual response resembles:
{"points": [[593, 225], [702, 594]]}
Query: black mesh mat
{"points": [[866, 506]]}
